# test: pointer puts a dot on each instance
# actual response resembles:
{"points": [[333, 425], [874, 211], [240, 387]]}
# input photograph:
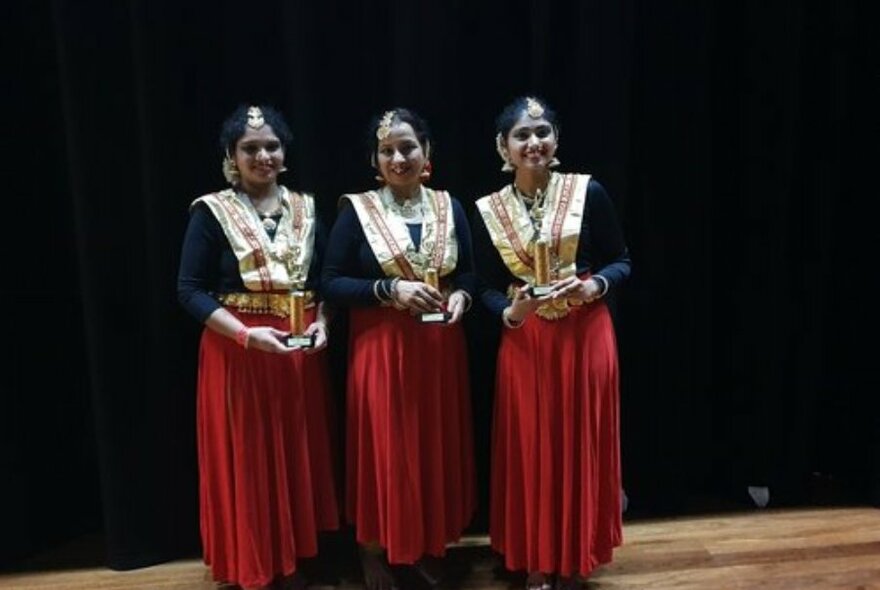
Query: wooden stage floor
{"points": [[791, 549]]}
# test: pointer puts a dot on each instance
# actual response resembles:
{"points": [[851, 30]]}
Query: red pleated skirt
{"points": [[266, 462], [555, 488], [409, 445]]}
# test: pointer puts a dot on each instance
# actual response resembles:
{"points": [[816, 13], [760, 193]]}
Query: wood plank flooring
{"points": [[804, 549]]}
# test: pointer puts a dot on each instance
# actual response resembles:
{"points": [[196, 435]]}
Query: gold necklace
{"points": [[268, 223], [410, 207], [406, 209], [536, 207], [267, 217]]}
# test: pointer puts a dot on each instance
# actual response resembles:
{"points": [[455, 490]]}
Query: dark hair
{"points": [[512, 113], [402, 115], [235, 125]]}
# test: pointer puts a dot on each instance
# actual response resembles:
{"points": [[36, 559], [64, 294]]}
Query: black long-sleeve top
{"points": [[208, 266], [350, 267], [601, 250]]}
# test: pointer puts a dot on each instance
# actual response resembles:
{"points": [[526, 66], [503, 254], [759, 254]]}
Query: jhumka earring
{"points": [[373, 163], [554, 162], [230, 170], [499, 147], [425, 174]]}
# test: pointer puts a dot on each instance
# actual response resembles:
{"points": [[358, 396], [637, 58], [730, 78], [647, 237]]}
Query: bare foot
{"points": [[377, 572], [431, 568]]}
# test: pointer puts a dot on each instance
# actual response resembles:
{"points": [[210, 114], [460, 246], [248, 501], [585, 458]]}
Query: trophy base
{"points": [[437, 317], [540, 290], [300, 340]]}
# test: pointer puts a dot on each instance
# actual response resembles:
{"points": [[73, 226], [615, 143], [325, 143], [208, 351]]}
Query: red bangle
{"points": [[242, 336]]}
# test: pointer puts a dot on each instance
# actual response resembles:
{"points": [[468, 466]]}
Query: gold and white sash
{"points": [[281, 264], [510, 227], [390, 240]]}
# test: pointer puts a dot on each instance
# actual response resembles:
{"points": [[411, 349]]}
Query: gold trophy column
{"points": [[435, 317], [542, 269], [297, 312], [298, 322]]}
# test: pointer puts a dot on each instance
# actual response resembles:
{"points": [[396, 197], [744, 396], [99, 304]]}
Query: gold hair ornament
{"points": [[255, 118], [385, 125], [534, 108]]}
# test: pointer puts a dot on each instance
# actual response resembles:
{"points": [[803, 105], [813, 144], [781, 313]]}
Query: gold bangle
{"points": [[468, 300], [603, 283], [392, 289], [376, 292]]}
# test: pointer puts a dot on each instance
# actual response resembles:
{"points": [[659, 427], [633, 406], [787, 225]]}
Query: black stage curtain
{"points": [[732, 136]]}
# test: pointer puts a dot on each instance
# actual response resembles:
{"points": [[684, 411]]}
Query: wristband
{"points": [[376, 294], [242, 336]]}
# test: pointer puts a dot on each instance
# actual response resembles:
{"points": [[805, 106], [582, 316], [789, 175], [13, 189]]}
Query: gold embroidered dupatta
{"points": [[281, 264], [510, 228], [390, 240]]}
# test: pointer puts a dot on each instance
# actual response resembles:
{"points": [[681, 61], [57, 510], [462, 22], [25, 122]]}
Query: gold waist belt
{"points": [[270, 303]]}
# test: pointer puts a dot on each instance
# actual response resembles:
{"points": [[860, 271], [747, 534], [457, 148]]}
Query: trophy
{"points": [[297, 335], [434, 317], [542, 270]]}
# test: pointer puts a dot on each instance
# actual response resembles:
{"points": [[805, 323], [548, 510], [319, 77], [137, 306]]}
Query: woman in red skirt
{"points": [[264, 417], [549, 249], [399, 258]]}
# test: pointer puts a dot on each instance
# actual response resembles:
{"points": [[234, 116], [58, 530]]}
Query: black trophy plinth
{"points": [[540, 290], [435, 317], [300, 340]]}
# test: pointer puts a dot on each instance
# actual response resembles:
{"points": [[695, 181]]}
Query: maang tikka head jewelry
{"points": [[534, 109], [255, 118], [384, 127]]}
